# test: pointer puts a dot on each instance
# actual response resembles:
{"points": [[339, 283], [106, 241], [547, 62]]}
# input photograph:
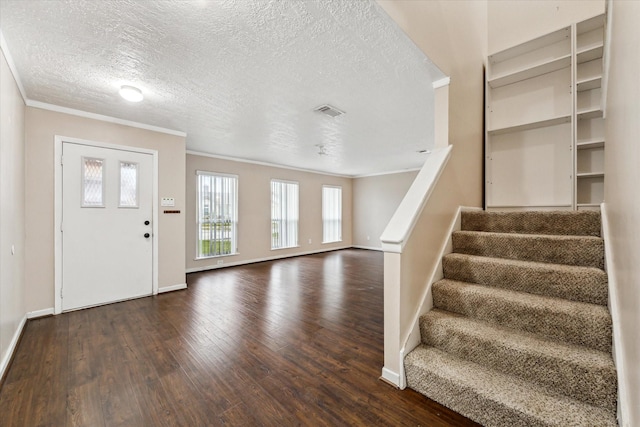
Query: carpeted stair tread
{"points": [[576, 283], [586, 251], [492, 398], [585, 374], [561, 320], [578, 223]]}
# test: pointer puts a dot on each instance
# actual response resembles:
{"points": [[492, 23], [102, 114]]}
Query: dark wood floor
{"points": [[284, 343]]}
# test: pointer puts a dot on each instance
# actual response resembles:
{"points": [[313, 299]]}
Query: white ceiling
{"points": [[240, 77]]}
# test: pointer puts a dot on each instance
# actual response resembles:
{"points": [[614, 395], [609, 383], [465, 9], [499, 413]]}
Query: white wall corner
{"points": [[12, 67], [172, 288], [624, 403], [6, 357]]}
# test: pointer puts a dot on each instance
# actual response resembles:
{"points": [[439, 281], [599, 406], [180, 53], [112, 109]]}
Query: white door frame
{"points": [[57, 222]]}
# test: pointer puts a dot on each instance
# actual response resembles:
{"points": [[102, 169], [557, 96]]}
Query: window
{"points": [[331, 214], [217, 214], [284, 214], [92, 183], [128, 185]]}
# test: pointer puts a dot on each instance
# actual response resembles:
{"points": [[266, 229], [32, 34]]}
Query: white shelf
{"points": [[589, 114], [589, 83], [531, 125], [590, 175], [531, 71], [531, 46], [544, 121], [594, 143], [589, 54]]}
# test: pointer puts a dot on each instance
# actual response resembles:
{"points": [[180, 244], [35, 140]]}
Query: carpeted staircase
{"points": [[520, 333]]}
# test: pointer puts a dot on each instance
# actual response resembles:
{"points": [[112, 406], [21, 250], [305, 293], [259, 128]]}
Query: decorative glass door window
{"points": [[128, 185], [92, 182]]}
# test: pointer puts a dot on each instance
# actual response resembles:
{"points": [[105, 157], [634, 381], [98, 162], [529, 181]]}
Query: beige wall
{"points": [[622, 174], [254, 210], [453, 34], [12, 288], [375, 199], [513, 22], [41, 126]]}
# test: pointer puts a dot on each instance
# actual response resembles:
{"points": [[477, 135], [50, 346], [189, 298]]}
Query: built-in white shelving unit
{"points": [[544, 122], [589, 122]]}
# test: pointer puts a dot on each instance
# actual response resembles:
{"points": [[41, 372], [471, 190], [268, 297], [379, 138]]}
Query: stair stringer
{"points": [[413, 339], [624, 401]]}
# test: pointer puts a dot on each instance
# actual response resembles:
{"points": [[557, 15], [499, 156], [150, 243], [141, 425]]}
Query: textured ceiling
{"points": [[240, 77]]}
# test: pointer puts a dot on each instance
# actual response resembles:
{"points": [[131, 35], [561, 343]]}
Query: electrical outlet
{"points": [[309, 241], [368, 238], [220, 262]]}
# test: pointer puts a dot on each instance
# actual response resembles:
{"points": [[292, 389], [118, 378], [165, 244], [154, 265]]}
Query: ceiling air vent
{"points": [[329, 110]]}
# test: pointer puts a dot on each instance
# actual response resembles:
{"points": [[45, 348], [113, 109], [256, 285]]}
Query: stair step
{"points": [[584, 284], [562, 320], [494, 399], [586, 251], [579, 372], [577, 223]]}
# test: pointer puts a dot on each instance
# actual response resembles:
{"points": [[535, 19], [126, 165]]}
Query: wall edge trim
{"points": [[172, 288], [102, 118], [271, 258], [40, 313], [624, 402], [8, 356], [268, 164]]}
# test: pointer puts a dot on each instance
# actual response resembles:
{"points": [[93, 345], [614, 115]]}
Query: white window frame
{"points": [[232, 216], [331, 233], [285, 214]]}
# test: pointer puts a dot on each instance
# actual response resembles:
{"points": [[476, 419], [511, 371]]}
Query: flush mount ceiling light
{"points": [[131, 94]]}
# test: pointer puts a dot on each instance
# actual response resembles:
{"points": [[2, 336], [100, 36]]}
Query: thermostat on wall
{"points": [[168, 201]]}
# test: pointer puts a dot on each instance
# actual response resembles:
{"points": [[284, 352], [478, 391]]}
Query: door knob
{"points": [[147, 235], [146, 223]]}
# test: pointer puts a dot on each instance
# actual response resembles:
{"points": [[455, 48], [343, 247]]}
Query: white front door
{"points": [[107, 234]]}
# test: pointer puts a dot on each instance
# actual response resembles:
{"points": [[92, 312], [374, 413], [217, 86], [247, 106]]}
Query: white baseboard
{"points": [[624, 402], [369, 248], [390, 377], [271, 258], [6, 357], [172, 288], [40, 313]]}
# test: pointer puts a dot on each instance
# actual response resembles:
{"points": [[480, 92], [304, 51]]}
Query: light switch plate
{"points": [[168, 201]]}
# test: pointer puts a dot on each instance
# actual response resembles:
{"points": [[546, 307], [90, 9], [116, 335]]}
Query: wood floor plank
{"points": [[294, 342]]}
